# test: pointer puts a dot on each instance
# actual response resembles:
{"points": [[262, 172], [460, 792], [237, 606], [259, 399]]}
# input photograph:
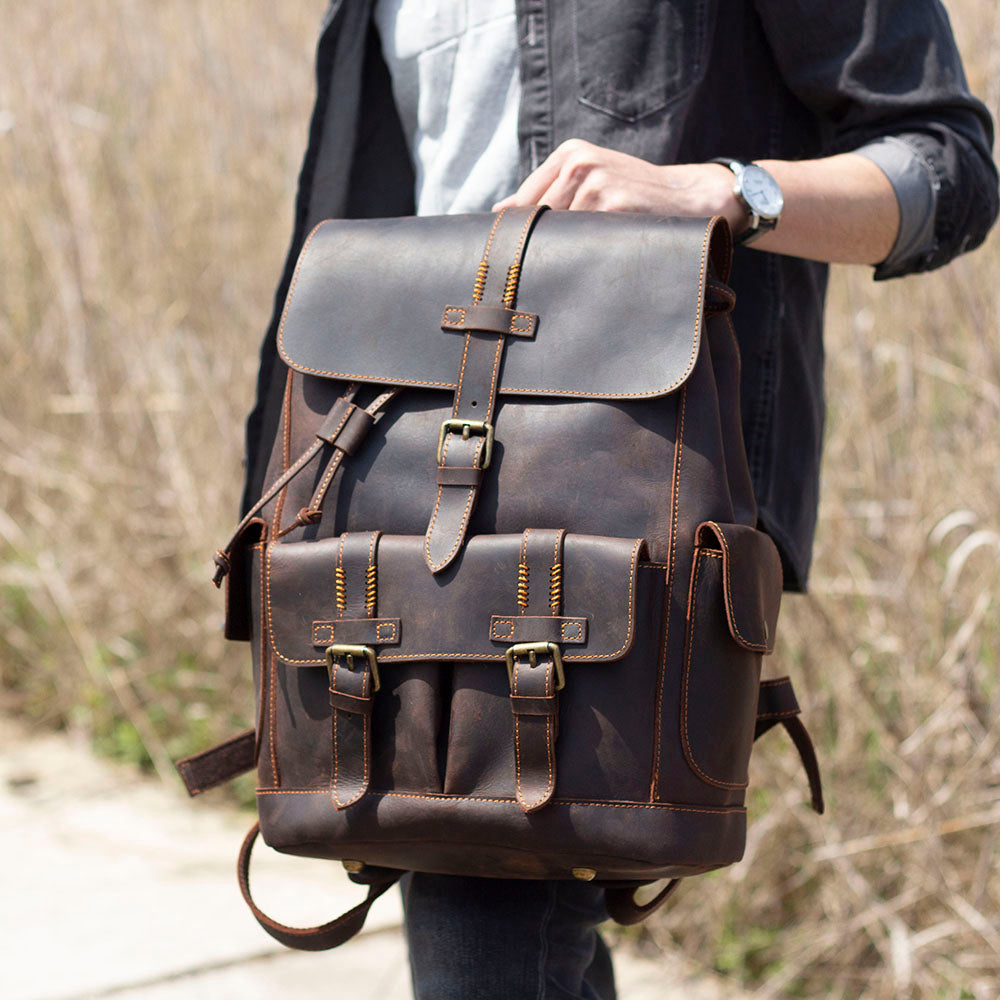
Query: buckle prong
{"points": [[334, 652], [467, 429], [532, 650]]}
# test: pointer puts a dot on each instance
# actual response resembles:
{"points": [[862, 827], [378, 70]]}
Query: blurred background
{"points": [[148, 155]]}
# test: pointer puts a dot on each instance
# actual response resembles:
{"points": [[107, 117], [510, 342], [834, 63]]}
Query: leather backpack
{"points": [[506, 597]]}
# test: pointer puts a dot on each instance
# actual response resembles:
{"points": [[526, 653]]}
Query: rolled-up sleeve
{"points": [[886, 79]]}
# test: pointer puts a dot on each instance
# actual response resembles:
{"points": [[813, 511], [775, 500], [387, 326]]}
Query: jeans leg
{"points": [[500, 939]]}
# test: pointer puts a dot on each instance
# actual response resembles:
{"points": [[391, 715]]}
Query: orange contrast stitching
{"points": [[689, 643]]}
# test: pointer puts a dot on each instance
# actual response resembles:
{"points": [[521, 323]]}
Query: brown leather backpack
{"points": [[506, 597]]}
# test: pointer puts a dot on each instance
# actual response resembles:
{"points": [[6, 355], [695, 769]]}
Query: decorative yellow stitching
{"points": [[510, 288], [672, 549], [522, 587], [371, 589], [555, 587], [391, 637]]}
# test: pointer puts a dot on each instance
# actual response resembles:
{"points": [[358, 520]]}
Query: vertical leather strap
{"points": [[467, 437], [534, 697], [353, 679]]}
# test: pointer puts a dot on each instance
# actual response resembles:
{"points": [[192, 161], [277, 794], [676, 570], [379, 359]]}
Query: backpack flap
{"points": [[609, 305]]}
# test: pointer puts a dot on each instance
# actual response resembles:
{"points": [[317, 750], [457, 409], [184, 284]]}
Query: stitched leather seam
{"points": [[493, 381], [392, 632], [286, 445], [778, 681], [689, 643], [272, 695], [675, 487], [668, 807], [777, 715], [524, 580], [294, 282]]}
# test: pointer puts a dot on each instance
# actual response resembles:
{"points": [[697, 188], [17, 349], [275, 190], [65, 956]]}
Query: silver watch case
{"points": [[761, 194]]}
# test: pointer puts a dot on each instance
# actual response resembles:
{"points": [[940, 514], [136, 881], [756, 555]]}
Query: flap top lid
{"points": [[619, 299]]}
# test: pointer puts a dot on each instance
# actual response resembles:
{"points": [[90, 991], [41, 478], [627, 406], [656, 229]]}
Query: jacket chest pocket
{"points": [[634, 59]]}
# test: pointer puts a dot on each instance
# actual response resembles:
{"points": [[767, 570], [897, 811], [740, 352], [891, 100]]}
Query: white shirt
{"points": [[454, 69]]}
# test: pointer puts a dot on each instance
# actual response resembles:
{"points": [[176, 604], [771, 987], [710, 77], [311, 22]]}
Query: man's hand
{"points": [[839, 208], [580, 175]]}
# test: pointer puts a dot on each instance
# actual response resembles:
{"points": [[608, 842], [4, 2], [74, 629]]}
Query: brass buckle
{"points": [[531, 650], [349, 652], [467, 428]]}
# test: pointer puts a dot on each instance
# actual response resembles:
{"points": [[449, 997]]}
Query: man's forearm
{"points": [[839, 209], [842, 208]]}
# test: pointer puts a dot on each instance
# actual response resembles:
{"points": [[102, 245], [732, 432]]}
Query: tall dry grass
{"points": [[147, 157]]}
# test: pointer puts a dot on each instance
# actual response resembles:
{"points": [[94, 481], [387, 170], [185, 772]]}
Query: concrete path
{"points": [[116, 886]]}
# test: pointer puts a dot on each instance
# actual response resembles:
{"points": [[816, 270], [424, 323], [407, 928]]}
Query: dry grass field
{"points": [[148, 153]]}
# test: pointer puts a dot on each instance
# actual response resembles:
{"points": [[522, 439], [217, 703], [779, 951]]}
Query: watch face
{"points": [[761, 192]]}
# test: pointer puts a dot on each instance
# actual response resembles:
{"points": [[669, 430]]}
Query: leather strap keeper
{"points": [[459, 475], [357, 632], [527, 705], [492, 319], [345, 702], [538, 628], [346, 426]]}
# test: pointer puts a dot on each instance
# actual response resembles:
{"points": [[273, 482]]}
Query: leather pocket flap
{"points": [[751, 580], [451, 616]]}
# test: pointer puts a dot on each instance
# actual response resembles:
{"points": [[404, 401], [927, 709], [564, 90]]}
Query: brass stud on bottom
{"points": [[584, 874], [352, 866]]}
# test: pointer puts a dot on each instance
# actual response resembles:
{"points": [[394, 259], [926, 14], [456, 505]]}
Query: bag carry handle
{"points": [[328, 935]]}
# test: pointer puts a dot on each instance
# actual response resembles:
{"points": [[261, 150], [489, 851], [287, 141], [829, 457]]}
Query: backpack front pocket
{"points": [[731, 616]]}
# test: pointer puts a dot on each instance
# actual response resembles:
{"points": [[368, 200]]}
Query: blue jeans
{"points": [[499, 939]]}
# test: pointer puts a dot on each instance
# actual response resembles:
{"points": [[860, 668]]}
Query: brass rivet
{"points": [[352, 866], [584, 874]]}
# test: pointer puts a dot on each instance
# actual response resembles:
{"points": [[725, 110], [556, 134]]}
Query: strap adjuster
{"points": [[467, 429], [532, 651], [334, 652]]}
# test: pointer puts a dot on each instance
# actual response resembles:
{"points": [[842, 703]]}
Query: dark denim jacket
{"points": [[675, 81]]}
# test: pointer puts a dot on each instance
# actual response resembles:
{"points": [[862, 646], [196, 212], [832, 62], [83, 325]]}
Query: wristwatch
{"points": [[760, 192]]}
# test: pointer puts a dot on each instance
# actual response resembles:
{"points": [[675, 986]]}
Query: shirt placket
{"points": [[535, 117]]}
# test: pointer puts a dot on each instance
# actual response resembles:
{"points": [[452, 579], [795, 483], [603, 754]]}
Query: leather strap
{"points": [[776, 703], [534, 697], [342, 430], [623, 909], [352, 684], [321, 938], [495, 287], [218, 764]]}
